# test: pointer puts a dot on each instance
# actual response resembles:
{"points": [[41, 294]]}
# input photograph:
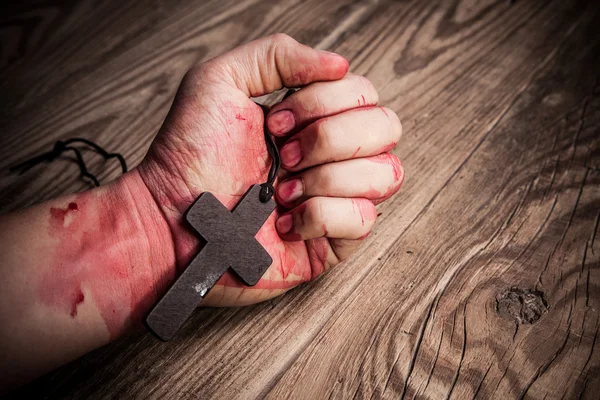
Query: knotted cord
{"points": [[60, 147]]}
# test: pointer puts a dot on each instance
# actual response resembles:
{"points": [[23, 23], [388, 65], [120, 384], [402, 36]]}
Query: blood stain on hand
{"points": [[365, 209], [59, 214], [79, 298], [392, 161], [318, 250], [92, 260]]}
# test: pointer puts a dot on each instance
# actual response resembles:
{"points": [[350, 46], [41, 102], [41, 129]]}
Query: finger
{"points": [[356, 133], [328, 217], [375, 178], [270, 63], [320, 100]]}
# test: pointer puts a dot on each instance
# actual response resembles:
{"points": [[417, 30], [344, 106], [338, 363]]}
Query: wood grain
{"points": [[501, 116], [531, 225]]}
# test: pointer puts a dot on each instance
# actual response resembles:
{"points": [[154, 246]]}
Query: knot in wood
{"points": [[523, 306]]}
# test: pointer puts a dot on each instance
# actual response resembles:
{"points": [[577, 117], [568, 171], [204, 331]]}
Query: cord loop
{"points": [[60, 147], [267, 189]]}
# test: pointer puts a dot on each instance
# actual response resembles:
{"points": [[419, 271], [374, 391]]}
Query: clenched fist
{"points": [[335, 143]]}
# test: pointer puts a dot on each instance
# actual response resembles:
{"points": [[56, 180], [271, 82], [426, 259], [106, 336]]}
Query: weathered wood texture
{"points": [[496, 223]]}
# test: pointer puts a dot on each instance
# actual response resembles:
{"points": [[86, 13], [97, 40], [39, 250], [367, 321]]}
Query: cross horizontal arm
{"points": [[250, 261]]}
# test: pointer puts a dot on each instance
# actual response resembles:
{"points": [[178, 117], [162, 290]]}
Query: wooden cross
{"points": [[230, 242]]}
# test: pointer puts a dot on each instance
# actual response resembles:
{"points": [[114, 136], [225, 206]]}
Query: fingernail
{"points": [[291, 154], [281, 122], [285, 223], [290, 190]]}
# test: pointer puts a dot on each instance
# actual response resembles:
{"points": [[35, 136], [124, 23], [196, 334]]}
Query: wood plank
{"points": [[450, 69], [521, 212]]}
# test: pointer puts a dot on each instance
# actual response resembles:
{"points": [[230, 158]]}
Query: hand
{"points": [[335, 157]]}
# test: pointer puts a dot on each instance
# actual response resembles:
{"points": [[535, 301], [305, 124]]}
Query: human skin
{"points": [[84, 269]]}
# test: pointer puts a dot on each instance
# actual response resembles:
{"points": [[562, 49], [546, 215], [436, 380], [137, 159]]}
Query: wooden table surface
{"points": [[482, 278]]}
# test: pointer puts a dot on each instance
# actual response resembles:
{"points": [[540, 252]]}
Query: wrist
{"points": [[155, 248], [103, 257], [146, 243], [173, 197]]}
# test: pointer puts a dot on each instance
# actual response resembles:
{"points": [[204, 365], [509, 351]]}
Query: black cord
{"points": [[60, 147], [267, 190], [101, 151]]}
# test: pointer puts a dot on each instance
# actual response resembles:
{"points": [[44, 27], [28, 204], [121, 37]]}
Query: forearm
{"points": [[78, 272]]}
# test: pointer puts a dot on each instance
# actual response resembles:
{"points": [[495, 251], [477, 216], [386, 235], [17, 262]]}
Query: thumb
{"points": [[273, 62]]}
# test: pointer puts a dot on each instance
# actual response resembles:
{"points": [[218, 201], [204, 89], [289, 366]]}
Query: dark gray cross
{"points": [[230, 242]]}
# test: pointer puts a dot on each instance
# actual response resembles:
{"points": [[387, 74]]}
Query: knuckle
{"points": [[309, 102], [326, 179], [317, 105], [325, 134], [314, 212]]}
